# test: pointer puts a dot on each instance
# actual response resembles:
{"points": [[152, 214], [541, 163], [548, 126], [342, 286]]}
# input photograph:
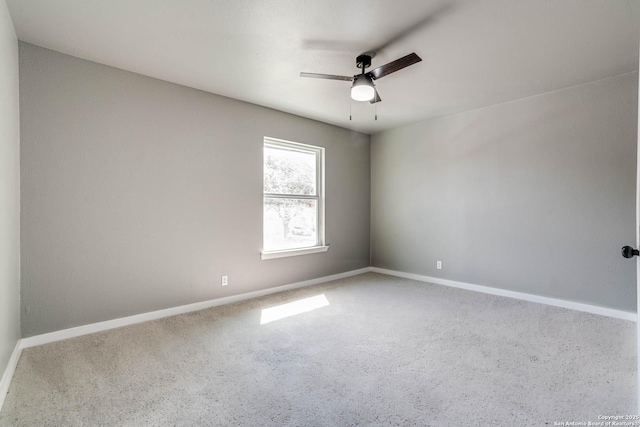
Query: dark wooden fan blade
{"points": [[376, 97], [394, 66], [326, 76]]}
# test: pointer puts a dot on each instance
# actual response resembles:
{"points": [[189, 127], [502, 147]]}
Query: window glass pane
{"points": [[289, 172], [290, 223]]}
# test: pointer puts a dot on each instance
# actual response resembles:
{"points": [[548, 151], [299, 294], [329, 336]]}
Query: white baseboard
{"points": [[594, 309], [8, 372], [145, 317]]}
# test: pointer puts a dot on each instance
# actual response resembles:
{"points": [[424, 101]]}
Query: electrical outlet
{"points": [[225, 280], [439, 265]]}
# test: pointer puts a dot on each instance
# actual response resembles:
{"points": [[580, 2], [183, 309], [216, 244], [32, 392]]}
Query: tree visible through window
{"points": [[292, 195]]}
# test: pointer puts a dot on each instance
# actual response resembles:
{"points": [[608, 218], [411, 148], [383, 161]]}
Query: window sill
{"points": [[293, 252]]}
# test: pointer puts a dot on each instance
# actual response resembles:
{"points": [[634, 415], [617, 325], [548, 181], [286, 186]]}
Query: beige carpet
{"points": [[384, 352]]}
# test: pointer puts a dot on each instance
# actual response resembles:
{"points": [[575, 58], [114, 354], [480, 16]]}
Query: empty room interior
{"points": [[329, 213]]}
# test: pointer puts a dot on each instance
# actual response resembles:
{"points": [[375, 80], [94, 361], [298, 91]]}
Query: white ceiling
{"points": [[475, 53]]}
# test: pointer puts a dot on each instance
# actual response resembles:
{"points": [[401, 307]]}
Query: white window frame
{"points": [[319, 197]]}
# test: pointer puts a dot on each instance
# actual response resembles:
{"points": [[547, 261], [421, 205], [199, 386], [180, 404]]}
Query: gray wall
{"points": [[535, 195], [138, 194], [9, 190]]}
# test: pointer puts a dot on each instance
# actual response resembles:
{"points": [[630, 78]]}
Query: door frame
{"points": [[638, 246]]}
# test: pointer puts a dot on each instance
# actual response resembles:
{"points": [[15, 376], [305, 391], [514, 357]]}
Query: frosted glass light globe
{"points": [[362, 88], [362, 92]]}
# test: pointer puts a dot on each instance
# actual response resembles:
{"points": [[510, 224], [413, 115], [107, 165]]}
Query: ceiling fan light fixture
{"points": [[362, 89]]}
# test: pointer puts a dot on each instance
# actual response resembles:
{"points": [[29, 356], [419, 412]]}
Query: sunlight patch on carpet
{"points": [[292, 308]]}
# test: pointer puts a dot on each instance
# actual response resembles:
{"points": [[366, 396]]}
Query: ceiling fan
{"points": [[363, 88]]}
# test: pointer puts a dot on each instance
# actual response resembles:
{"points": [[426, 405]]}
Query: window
{"points": [[293, 218]]}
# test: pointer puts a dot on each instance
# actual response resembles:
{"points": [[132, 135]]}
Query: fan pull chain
{"points": [[375, 106], [350, 105]]}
